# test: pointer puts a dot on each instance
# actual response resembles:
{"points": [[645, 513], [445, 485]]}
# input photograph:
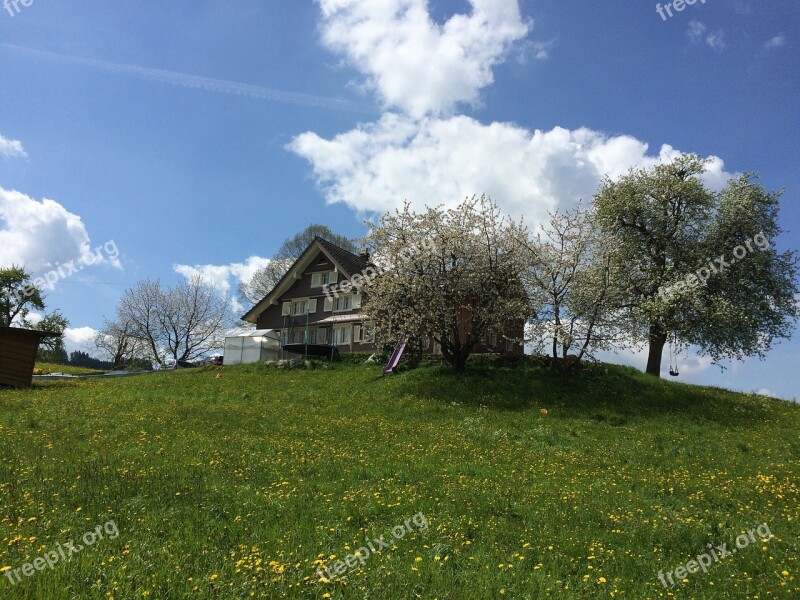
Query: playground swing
{"points": [[673, 371]]}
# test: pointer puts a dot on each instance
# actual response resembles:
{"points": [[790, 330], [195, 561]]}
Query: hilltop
{"points": [[528, 485]]}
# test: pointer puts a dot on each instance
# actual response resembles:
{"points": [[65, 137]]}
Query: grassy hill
{"points": [[494, 483], [68, 369]]}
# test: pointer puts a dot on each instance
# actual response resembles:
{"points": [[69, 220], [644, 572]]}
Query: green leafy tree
{"points": [[18, 296], [698, 267]]}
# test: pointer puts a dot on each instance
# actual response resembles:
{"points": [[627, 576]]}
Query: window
{"points": [[343, 303], [299, 307], [341, 335], [509, 345], [356, 334], [322, 279], [321, 336]]}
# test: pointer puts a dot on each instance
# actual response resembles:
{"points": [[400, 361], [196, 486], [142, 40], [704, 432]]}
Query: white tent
{"points": [[246, 346]]}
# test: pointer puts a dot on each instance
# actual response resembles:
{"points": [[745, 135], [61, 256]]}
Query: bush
{"points": [[357, 358]]}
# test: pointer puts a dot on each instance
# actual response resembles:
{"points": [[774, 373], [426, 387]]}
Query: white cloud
{"points": [[80, 338], [414, 63], [11, 148], [716, 40], [378, 166], [225, 278], [539, 50], [697, 33], [779, 41], [696, 30], [39, 235]]}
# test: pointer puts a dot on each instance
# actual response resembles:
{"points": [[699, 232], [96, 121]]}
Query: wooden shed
{"points": [[18, 354]]}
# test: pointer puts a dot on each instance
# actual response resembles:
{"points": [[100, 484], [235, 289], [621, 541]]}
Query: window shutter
{"points": [[312, 306], [287, 309], [328, 307], [356, 300], [315, 280], [356, 334]]}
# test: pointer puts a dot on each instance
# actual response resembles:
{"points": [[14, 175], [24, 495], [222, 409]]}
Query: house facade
{"points": [[303, 310], [300, 310]]}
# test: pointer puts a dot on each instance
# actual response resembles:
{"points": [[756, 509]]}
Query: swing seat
{"points": [[673, 373]]}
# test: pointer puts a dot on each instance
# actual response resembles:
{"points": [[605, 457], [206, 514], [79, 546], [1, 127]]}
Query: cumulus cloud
{"points": [[378, 166], [225, 278], [39, 235], [412, 62], [779, 41], [80, 338], [11, 148]]}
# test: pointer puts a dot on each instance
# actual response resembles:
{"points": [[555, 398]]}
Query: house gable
{"points": [[305, 277]]}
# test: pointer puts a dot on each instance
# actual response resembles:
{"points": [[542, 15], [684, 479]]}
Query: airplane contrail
{"points": [[209, 84]]}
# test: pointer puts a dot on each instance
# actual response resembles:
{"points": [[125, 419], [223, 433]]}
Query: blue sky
{"points": [[198, 135]]}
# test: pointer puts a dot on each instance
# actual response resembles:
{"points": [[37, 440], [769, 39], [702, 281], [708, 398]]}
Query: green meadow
{"points": [[242, 482]]}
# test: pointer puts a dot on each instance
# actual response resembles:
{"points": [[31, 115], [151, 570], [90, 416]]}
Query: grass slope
{"points": [[244, 485], [68, 369]]}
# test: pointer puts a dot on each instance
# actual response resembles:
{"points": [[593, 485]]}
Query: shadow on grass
{"points": [[601, 392]]}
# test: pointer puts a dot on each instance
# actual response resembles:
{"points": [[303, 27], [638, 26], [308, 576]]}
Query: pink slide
{"points": [[396, 355]]}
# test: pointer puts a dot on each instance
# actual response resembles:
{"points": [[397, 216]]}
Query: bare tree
{"points": [[116, 342], [184, 322], [264, 280], [570, 279]]}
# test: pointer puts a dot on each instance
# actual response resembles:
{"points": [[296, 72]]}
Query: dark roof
{"points": [[351, 263], [28, 332]]}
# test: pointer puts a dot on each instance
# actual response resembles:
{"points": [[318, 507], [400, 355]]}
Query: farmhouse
{"points": [[299, 310], [305, 314], [18, 349]]}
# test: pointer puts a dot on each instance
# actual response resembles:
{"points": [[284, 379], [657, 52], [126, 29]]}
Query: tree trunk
{"points": [[655, 351]]}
